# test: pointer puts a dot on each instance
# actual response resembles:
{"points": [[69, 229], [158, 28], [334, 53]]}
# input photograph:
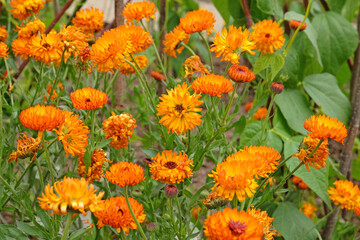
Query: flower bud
{"points": [[171, 191], [294, 24], [157, 75], [277, 87], [151, 227]]}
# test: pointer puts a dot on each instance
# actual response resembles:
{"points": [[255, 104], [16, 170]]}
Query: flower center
{"points": [[267, 35], [237, 228], [46, 45], [179, 108], [87, 100], [170, 165]]}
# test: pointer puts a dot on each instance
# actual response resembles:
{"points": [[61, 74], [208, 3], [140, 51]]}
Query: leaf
{"points": [[274, 60], [149, 152], [30, 230], [295, 108], [11, 232], [251, 134], [239, 126], [280, 126], [273, 7], [103, 143], [323, 89], [223, 8], [78, 233]]}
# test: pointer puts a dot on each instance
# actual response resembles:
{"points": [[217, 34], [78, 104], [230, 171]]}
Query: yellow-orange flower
{"points": [[267, 36], [230, 45], [139, 10], [141, 61], [260, 113], [31, 29], [299, 183], [193, 64], [137, 38], [20, 47], [345, 194], [294, 24], [325, 127], [94, 171], [212, 84], [265, 221], [125, 174], [317, 160], [89, 20], [88, 98], [119, 128], [70, 194], [26, 147], [73, 134], [46, 49], [240, 74], [198, 21], [115, 212], [4, 50], [73, 39], [232, 225], [170, 167], [308, 209], [179, 109], [172, 41], [21, 9], [3, 34]]}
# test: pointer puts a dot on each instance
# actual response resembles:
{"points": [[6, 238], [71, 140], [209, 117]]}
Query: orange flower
{"points": [[141, 61], [171, 167], [138, 39], [308, 209], [157, 75], [115, 212], [94, 171], [139, 10], [232, 225], [119, 128], [89, 20], [31, 29], [26, 147], [325, 127], [248, 106], [3, 34], [265, 221], [125, 174], [179, 109], [195, 212], [73, 134], [294, 24], [346, 194], [198, 21], [260, 113], [54, 94], [172, 41], [88, 98], [267, 36], [194, 64], [212, 84], [4, 50], [42, 118], [240, 74], [70, 194], [73, 39], [317, 160], [230, 45], [213, 201], [299, 183], [20, 47], [21, 9]]}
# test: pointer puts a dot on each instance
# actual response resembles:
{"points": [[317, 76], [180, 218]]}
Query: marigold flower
{"points": [[88, 98], [171, 167], [22, 9], [20, 47], [294, 24], [73, 39], [193, 64], [357, 210], [213, 201], [232, 225], [31, 29], [230, 45], [125, 173], [267, 36], [308, 210], [115, 212], [73, 134], [179, 109], [119, 128], [139, 10], [325, 127], [89, 20], [260, 113], [198, 21], [26, 147], [54, 94], [172, 41], [157, 75], [212, 84], [240, 74], [299, 183], [138, 40], [70, 194], [345, 194], [4, 50], [265, 221], [94, 171], [3, 34], [141, 61]]}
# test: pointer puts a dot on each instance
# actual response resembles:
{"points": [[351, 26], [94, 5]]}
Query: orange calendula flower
{"points": [[22, 9], [157, 75], [138, 40], [141, 61], [115, 212], [267, 36], [324, 127], [346, 194], [265, 221], [299, 183], [260, 113], [94, 171], [172, 41], [193, 64], [212, 84], [308, 210], [73, 39], [125, 174], [4, 50], [31, 29], [240, 74], [73, 134], [54, 94], [170, 167], [179, 109], [3, 34], [139, 10], [70, 194], [89, 20], [88, 98], [198, 21], [119, 128], [318, 158], [232, 225], [26, 147], [230, 45], [20, 47], [294, 24]]}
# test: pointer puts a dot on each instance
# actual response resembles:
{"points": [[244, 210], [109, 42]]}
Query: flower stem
{"points": [[229, 104], [180, 215], [92, 127], [215, 110], [263, 123], [122, 234], [288, 176], [189, 141], [48, 159], [208, 47], [242, 205], [227, 68], [40, 174], [69, 221], [188, 48], [1, 123]]}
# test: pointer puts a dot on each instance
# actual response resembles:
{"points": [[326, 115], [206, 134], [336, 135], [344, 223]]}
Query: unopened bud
{"points": [[171, 191], [277, 87], [294, 24]]}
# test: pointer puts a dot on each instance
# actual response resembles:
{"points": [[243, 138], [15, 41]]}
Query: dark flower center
{"points": [[179, 108], [46, 45], [170, 165], [267, 35], [237, 228], [87, 100]]}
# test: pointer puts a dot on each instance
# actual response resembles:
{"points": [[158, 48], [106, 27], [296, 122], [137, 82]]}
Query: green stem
{"points": [[122, 234], [180, 215], [235, 202], [188, 48], [227, 68], [1, 123], [189, 141], [69, 221], [242, 205], [37, 84], [93, 127], [48, 159], [229, 104], [288, 176], [215, 110], [113, 79], [208, 47], [356, 231], [40, 174], [263, 123]]}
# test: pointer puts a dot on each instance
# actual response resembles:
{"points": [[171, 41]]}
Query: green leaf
{"points": [[323, 89], [239, 126], [274, 60], [338, 39], [103, 143], [87, 158], [251, 134], [30, 230], [149, 152], [78, 233], [11, 232], [293, 224], [223, 8], [280, 126], [44, 216], [295, 108], [271, 7]]}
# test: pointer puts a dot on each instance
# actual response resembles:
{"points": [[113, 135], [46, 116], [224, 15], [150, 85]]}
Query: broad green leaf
{"points": [[280, 126], [293, 224], [338, 39], [190, 5], [239, 126], [271, 7], [350, 8], [295, 108], [223, 8], [323, 89], [343, 76], [30, 230], [274, 141], [274, 60]]}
